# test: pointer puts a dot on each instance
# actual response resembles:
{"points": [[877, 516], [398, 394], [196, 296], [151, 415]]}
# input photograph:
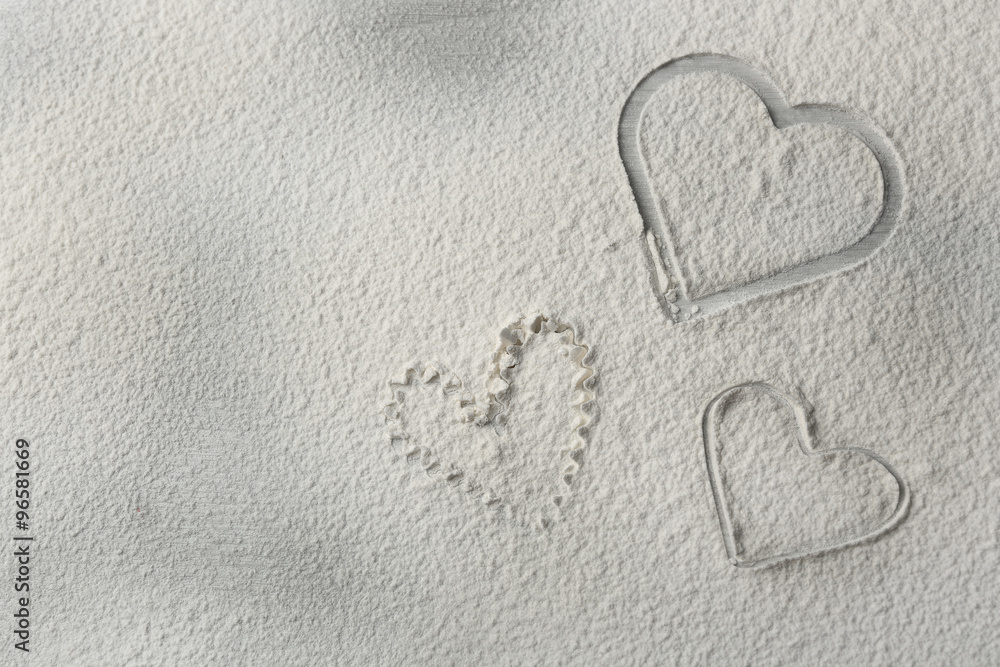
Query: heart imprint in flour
{"points": [[777, 496], [742, 195], [517, 446]]}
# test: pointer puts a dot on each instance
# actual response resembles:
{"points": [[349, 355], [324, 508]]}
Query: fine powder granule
{"points": [[225, 227]]}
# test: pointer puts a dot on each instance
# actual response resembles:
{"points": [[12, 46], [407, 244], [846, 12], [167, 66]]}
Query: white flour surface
{"points": [[226, 227]]}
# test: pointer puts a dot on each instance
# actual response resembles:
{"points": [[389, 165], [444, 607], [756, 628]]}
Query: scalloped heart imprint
{"points": [[481, 461], [673, 293], [801, 411]]}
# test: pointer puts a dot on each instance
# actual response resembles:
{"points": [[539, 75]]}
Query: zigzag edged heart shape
{"points": [[492, 410], [672, 293], [801, 410]]}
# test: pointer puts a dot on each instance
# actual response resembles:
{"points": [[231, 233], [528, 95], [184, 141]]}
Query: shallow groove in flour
{"points": [[673, 293], [802, 412]]}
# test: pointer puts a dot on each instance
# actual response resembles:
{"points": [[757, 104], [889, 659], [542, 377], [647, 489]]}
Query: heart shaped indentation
{"points": [[821, 194], [516, 447], [774, 504]]}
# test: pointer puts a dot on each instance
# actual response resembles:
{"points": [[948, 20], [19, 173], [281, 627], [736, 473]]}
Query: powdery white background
{"points": [[224, 225]]}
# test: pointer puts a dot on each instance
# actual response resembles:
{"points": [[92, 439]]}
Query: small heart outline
{"points": [[662, 258], [492, 410], [802, 410]]}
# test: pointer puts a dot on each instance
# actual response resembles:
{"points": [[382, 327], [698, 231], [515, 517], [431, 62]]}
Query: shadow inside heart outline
{"points": [[802, 413], [492, 410], [664, 266]]}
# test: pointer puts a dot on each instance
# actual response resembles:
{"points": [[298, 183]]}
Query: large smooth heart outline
{"points": [[665, 269], [802, 411]]}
